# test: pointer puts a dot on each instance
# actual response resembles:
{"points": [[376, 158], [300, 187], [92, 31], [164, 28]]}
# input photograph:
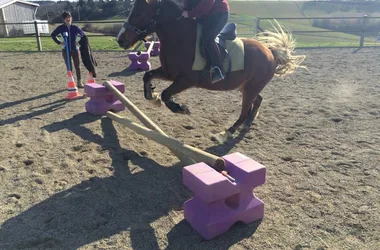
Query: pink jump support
{"points": [[156, 48], [139, 60], [219, 202], [103, 100]]}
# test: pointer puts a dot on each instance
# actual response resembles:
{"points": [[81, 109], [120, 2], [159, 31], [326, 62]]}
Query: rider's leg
{"points": [[212, 25]]}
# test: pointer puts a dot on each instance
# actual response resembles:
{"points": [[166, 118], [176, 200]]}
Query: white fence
{"points": [[42, 26]]}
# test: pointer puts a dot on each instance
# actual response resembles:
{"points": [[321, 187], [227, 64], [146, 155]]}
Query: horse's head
{"points": [[141, 22]]}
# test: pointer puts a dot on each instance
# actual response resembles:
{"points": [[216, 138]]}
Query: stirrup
{"points": [[216, 74]]}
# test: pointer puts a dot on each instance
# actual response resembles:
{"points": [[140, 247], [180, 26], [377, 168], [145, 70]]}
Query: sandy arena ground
{"points": [[71, 180]]}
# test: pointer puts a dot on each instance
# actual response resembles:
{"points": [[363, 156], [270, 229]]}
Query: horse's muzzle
{"points": [[122, 43]]}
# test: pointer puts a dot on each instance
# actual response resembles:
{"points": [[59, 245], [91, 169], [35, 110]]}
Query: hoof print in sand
{"points": [[188, 127], [17, 196], [336, 119], [287, 158], [38, 181], [28, 162]]}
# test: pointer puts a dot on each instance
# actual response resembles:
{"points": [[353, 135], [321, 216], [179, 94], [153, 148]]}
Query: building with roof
{"points": [[15, 11]]}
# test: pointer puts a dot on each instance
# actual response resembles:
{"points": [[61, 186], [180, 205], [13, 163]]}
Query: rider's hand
{"points": [[185, 14]]}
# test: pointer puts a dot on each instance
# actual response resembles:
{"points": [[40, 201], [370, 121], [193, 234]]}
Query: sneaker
{"points": [[216, 75]]}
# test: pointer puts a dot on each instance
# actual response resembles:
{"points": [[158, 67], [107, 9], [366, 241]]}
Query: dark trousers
{"points": [[212, 25], [75, 56]]}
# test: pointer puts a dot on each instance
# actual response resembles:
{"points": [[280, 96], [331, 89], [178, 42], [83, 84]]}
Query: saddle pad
{"points": [[235, 48]]}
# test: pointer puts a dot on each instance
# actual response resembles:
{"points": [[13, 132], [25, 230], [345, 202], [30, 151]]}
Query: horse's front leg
{"points": [[148, 77], [181, 83]]}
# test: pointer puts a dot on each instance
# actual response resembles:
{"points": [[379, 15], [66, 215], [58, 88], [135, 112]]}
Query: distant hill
{"points": [[304, 8], [104, 9]]}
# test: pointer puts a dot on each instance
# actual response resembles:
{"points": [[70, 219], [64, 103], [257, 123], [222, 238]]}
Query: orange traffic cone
{"points": [[90, 78], [89, 81], [71, 87]]}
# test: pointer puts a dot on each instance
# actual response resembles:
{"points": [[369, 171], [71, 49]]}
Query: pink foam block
{"points": [[251, 174], [139, 61], [103, 100], [156, 48], [99, 90], [218, 203], [208, 184], [139, 55]]}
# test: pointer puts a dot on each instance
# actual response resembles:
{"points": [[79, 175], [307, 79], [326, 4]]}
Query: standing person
{"points": [[213, 15], [73, 32]]}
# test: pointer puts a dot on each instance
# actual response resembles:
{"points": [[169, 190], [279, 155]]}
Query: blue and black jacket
{"points": [[73, 32]]}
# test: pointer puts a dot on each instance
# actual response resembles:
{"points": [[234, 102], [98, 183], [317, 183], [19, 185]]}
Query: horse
{"points": [[266, 55]]}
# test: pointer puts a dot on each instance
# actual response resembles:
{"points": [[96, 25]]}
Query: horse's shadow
{"points": [[51, 107], [125, 203], [125, 72], [13, 103], [224, 149]]}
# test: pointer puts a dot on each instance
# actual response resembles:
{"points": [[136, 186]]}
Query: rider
{"points": [[213, 15], [73, 31]]}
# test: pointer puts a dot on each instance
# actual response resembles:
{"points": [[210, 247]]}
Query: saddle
{"points": [[227, 33]]}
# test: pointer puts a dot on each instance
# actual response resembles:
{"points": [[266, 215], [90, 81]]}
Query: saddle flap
{"points": [[228, 32]]}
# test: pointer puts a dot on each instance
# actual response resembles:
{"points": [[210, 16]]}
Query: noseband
{"points": [[142, 33]]}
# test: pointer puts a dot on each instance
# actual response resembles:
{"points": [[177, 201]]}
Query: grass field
{"points": [[245, 29], [265, 9], [30, 44], [302, 31], [242, 12]]}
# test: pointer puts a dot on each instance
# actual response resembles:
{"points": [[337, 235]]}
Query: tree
{"points": [[69, 7], [91, 4]]}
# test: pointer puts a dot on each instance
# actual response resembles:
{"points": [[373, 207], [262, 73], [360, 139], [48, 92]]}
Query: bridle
{"points": [[142, 33]]}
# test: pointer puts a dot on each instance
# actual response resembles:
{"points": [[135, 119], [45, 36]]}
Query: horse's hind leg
{"points": [[248, 99], [253, 113]]}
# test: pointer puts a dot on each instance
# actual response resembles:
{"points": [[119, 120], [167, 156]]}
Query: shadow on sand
{"points": [[125, 72], [125, 203]]}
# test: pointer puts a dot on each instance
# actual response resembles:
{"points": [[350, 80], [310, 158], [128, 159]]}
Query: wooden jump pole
{"points": [[144, 119], [135, 110], [186, 153], [171, 143], [150, 47]]}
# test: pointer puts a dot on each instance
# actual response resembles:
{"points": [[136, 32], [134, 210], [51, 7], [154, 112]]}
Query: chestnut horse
{"points": [[266, 55]]}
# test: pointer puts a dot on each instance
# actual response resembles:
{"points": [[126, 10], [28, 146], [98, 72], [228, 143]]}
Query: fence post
{"points": [[38, 36], [258, 29], [364, 24], [4, 27]]}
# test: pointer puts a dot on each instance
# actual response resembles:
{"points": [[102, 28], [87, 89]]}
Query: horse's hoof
{"points": [[156, 100], [148, 95], [222, 137], [185, 110], [176, 108], [257, 114], [245, 128], [148, 91]]}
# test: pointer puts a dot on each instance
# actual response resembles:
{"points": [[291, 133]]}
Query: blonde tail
{"points": [[281, 44]]}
